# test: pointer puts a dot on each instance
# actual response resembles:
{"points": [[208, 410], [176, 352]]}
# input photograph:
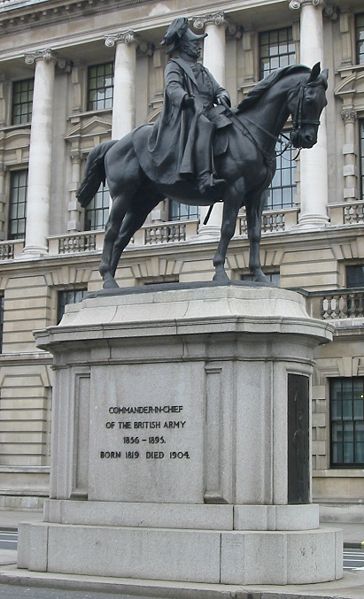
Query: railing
{"points": [[10, 249], [347, 214], [273, 221], [337, 304], [72, 243], [169, 232], [90, 241]]}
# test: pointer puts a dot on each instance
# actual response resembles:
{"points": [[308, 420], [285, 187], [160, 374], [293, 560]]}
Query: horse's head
{"points": [[305, 103]]}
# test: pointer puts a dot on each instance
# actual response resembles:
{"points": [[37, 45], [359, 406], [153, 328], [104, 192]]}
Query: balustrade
{"points": [[166, 233], [73, 243], [10, 249], [272, 221], [6, 251], [342, 304], [354, 213]]}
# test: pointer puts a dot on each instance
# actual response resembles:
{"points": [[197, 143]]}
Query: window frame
{"points": [[91, 105], [11, 235], [292, 169], [29, 112], [353, 266], [361, 157], [92, 211], [192, 212], [359, 56], [342, 465], [263, 72]]}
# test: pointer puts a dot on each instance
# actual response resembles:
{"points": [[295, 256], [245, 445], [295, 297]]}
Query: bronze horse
{"points": [[247, 164]]}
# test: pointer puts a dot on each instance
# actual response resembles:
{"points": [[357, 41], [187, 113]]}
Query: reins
{"points": [[246, 131]]}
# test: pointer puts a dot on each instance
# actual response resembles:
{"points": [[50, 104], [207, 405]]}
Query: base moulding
{"points": [[209, 556]]}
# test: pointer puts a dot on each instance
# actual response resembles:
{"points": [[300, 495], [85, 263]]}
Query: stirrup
{"points": [[208, 182]]}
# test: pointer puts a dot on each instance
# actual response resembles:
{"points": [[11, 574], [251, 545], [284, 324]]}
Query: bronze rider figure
{"points": [[180, 144]]}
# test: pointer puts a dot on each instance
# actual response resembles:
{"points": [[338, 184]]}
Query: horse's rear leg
{"points": [[132, 221], [116, 216], [232, 202]]}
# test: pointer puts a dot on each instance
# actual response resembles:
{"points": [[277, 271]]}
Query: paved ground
{"points": [[10, 592]]}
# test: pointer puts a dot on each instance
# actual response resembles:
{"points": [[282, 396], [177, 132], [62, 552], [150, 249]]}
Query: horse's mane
{"points": [[257, 92]]}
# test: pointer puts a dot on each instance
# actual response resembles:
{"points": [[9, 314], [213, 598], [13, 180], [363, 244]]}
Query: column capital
{"points": [[46, 54], [124, 37], [297, 4], [349, 115], [216, 18]]}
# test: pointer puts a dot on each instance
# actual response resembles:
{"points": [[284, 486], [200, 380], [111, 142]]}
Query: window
{"points": [[361, 149], [97, 212], [347, 422], [179, 211], [22, 101], [277, 49], [1, 322], [283, 186], [17, 204], [360, 39], [355, 275], [100, 86], [69, 296]]}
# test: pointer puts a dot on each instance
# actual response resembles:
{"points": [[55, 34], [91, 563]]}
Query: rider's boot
{"points": [[206, 180]]}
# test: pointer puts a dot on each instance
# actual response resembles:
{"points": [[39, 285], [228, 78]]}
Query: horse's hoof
{"points": [[221, 278], [261, 278], [110, 283]]}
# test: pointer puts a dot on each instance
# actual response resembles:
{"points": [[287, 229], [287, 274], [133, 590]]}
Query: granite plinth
{"points": [[171, 440]]}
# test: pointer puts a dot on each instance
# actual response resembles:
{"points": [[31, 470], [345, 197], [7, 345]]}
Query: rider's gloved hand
{"points": [[223, 98]]}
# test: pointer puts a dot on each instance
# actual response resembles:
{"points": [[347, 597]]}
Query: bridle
{"points": [[297, 119]]}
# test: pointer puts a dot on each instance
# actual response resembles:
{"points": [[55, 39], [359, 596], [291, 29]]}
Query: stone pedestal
{"points": [[181, 440]]}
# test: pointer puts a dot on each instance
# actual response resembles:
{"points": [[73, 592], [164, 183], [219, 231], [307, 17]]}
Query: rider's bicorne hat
{"points": [[178, 31]]}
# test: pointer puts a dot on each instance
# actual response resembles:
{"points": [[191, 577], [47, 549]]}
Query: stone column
{"points": [[313, 162], [73, 223], [349, 117], [40, 153], [123, 113], [2, 198], [214, 61]]}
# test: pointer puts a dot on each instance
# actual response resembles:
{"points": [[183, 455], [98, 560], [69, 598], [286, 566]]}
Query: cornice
{"points": [[141, 25], [16, 16]]}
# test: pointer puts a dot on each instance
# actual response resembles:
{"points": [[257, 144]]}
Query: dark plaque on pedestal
{"points": [[298, 439]]}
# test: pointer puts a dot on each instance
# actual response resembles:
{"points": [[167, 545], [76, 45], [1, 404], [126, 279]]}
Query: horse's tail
{"points": [[95, 173]]}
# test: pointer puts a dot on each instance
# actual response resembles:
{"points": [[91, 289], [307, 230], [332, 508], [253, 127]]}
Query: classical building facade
{"points": [[74, 73]]}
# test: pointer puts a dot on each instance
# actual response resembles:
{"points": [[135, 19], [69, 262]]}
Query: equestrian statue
{"points": [[201, 151]]}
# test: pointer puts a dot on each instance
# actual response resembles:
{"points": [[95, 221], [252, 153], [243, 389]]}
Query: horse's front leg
{"points": [[232, 202], [254, 211]]}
